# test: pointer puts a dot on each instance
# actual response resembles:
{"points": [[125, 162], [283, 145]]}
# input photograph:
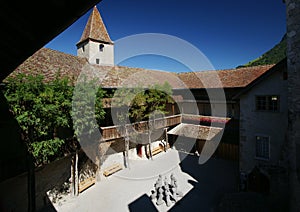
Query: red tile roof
{"points": [[195, 131], [95, 29], [232, 78], [49, 62]]}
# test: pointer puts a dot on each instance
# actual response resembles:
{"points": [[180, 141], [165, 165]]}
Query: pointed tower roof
{"points": [[95, 29]]}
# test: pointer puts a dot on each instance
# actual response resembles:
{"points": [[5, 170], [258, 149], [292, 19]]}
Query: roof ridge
{"points": [[92, 19], [60, 52], [230, 69]]}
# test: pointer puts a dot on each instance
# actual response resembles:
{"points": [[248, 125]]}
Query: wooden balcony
{"points": [[115, 132]]}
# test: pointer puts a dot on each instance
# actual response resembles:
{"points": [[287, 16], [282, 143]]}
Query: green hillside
{"points": [[274, 55]]}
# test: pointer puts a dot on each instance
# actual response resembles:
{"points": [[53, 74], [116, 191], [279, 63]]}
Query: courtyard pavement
{"points": [[130, 189]]}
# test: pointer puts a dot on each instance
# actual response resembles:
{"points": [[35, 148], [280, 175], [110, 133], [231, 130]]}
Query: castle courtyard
{"points": [[130, 189]]}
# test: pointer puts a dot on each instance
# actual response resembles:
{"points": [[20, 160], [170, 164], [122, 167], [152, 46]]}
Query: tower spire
{"points": [[95, 29], [95, 43]]}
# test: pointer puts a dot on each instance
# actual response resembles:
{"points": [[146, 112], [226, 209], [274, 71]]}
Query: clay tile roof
{"points": [[95, 29], [50, 62], [232, 78], [121, 76], [195, 131]]}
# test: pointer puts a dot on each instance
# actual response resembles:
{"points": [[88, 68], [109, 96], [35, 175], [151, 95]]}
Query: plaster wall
{"points": [[91, 51], [264, 123]]}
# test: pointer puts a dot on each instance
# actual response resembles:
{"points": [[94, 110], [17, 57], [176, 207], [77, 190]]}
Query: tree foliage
{"points": [[142, 102], [87, 110], [43, 111]]}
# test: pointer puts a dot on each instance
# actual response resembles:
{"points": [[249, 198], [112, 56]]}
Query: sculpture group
{"points": [[165, 192]]}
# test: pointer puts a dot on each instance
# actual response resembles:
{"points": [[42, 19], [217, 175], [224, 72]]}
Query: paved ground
{"points": [[129, 189]]}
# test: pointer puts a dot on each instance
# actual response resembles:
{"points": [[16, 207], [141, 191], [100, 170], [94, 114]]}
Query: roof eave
{"points": [[92, 39], [258, 80]]}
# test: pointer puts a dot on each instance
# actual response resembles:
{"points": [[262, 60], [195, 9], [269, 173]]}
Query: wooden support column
{"points": [[173, 109], [126, 141], [167, 141], [149, 141], [74, 175]]}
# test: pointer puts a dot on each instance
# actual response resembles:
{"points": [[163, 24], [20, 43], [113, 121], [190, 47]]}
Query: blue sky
{"points": [[229, 33]]}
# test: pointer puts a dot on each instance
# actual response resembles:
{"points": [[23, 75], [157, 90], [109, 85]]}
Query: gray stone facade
{"points": [[293, 65], [271, 124]]}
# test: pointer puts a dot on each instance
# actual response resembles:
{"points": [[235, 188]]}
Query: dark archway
{"points": [[258, 181]]}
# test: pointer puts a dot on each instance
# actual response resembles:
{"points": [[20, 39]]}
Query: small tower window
{"points": [[83, 48], [101, 47], [97, 61]]}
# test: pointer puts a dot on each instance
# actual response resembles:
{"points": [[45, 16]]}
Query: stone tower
{"points": [[95, 43]]}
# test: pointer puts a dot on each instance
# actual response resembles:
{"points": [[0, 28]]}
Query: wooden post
{"points": [[76, 174], [173, 109], [98, 163], [150, 127], [167, 142], [127, 147], [149, 141], [73, 175]]}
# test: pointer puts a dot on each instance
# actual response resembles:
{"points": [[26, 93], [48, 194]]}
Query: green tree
{"points": [[139, 104], [87, 110], [43, 111], [157, 97]]}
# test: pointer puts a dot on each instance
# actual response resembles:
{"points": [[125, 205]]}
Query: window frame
{"points": [[262, 155], [101, 47], [269, 105]]}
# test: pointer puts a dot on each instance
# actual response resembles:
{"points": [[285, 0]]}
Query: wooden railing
{"points": [[115, 132]]}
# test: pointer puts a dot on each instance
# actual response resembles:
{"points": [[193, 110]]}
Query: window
{"points": [[97, 61], [83, 48], [267, 103], [101, 47], [262, 147]]}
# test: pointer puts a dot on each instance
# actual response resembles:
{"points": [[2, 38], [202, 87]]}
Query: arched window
{"points": [[101, 47]]}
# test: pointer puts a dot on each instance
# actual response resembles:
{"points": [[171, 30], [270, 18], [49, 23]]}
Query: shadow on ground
{"points": [[143, 203], [214, 179]]}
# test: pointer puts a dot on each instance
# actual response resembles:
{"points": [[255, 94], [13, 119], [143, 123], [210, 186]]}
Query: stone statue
{"points": [[160, 197], [154, 194], [168, 200], [173, 179]]}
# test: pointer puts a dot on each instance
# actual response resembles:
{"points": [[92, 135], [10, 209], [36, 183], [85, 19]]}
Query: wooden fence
{"points": [[224, 150], [228, 151]]}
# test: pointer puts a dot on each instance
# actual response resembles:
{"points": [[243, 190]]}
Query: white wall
{"points": [[92, 52]]}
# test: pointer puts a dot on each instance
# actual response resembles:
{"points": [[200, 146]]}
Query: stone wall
{"points": [[293, 64], [254, 123], [14, 194]]}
